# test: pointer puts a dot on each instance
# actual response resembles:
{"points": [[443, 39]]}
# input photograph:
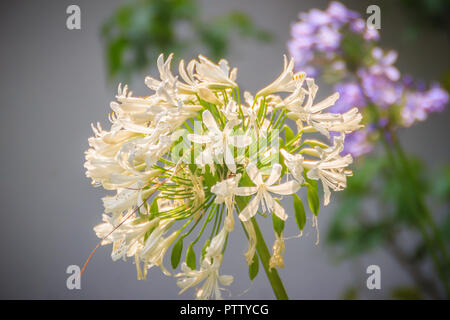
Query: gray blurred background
{"points": [[53, 85]]}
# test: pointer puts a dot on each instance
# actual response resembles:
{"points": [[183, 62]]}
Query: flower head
{"points": [[192, 153]]}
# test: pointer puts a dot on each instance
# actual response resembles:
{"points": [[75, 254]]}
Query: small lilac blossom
{"points": [[437, 99], [380, 90], [350, 95], [383, 65], [340, 14]]}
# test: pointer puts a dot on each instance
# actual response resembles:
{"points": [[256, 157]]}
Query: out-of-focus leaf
{"points": [[350, 294], [407, 293], [138, 32]]}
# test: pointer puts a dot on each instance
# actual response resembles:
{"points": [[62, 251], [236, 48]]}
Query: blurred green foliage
{"points": [[427, 13], [138, 32], [380, 204]]}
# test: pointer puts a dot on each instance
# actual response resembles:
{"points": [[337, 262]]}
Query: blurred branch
{"points": [[138, 32]]}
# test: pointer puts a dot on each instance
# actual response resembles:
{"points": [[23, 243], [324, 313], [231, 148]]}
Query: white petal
{"points": [[325, 103], [286, 188], [251, 209], [226, 280], [245, 191], [274, 174], [279, 211], [209, 121], [230, 125], [254, 174], [240, 141], [229, 159]]}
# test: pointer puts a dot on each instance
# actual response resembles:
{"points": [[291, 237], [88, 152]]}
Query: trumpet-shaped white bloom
{"points": [[224, 191], [294, 163], [313, 115], [209, 273], [218, 142], [262, 190], [330, 168], [215, 76], [286, 82]]}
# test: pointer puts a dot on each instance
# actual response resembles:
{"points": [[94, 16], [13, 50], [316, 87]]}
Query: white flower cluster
{"points": [[193, 151]]}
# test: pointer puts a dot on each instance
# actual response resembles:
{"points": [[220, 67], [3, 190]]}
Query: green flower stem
{"points": [[264, 256]]}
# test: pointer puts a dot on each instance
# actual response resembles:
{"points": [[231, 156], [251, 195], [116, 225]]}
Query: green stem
{"points": [[264, 256]]}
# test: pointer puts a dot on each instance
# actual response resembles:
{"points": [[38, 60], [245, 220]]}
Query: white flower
{"points": [[127, 237], [330, 168], [217, 142], [215, 76], [294, 165], [214, 250], [313, 114], [231, 111], [209, 272], [262, 190], [252, 240], [224, 191], [286, 82], [155, 255], [276, 260]]}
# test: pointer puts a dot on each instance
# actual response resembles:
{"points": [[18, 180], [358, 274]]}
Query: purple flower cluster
{"points": [[419, 104], [317, 47], [320, 32]]}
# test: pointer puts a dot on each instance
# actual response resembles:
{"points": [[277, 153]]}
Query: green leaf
{"points": [[176, 253], [254, 267], [288, 133], [278, 224], [154, 208], [190, 257], [313, 197], [299, 209]]}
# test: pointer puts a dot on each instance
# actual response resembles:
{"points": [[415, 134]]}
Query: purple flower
{"points": [[414, 108], [381, 90], [358, 26], [437, 98], [350, 95], [421, 103], [340, 14], [371, 34], [383, 65], [315, 17], [328, 39]]}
